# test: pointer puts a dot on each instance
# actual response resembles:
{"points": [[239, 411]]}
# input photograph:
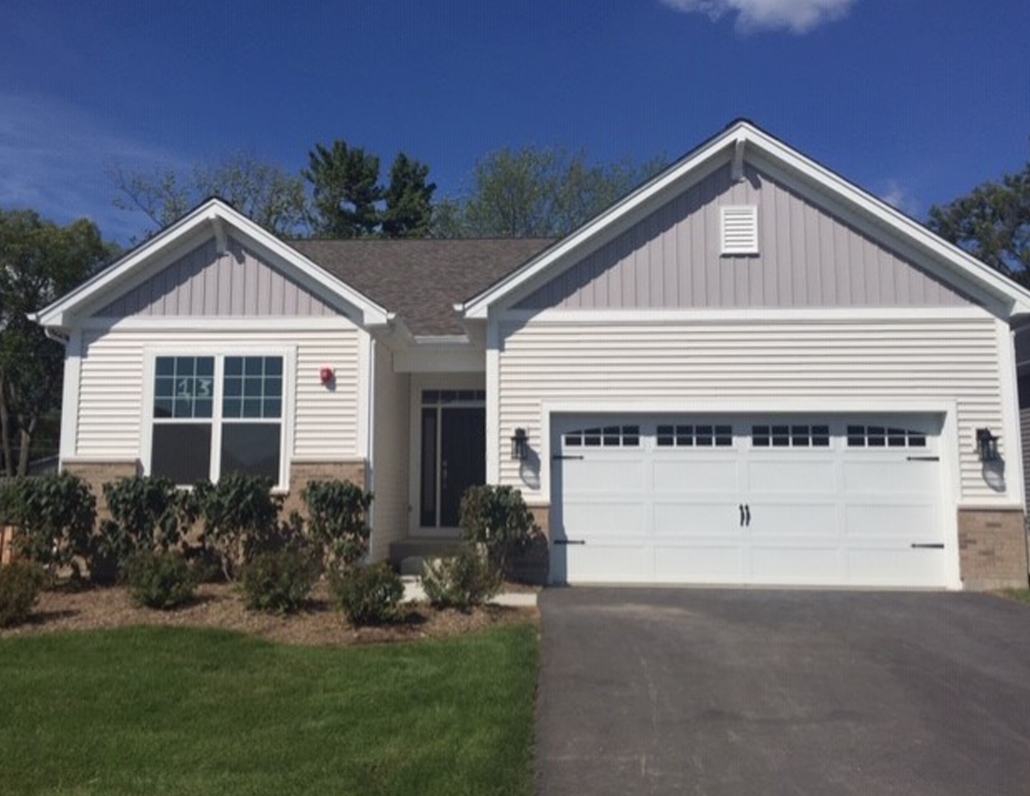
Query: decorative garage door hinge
{"points": [[561, 456], [570, 541], [924, 458]]}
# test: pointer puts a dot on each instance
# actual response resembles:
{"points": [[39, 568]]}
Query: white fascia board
{"points": [[63, 312], [1012, 299]]}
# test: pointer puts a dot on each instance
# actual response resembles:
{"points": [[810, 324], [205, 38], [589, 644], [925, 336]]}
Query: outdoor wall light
{"points": [[326, 375], [519, 445], [986, 445]]}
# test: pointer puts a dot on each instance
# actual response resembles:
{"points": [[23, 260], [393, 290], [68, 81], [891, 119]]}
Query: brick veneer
{"points": [[992, 549], [534, 564], [96, 474], [353, 470]]}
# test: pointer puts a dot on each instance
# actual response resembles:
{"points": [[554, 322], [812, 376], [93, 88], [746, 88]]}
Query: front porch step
{"points": [[408, 554]]}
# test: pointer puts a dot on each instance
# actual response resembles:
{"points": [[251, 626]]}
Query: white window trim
{"points": [[289, 357]]}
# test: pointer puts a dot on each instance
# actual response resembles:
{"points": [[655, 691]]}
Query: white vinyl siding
{"points": [[760, 363], [111, 387], [390, 453]]}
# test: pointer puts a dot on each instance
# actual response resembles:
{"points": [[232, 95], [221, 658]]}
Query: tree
{"points": [[531, 192], [992, 223], [351, 202], [39, 262], [409, 200], [345, 181], [262, 191]]}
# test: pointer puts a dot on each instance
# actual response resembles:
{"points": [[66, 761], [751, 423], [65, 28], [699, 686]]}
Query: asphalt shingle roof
{"points": [[421, 280]]}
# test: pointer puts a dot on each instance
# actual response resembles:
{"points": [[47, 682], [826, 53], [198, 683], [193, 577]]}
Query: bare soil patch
{"points": [[218, 605]]}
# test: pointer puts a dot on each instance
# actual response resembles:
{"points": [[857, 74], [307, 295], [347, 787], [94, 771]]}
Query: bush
{"points": [[337, 520], [159, 579], [498, 518], [147, 514], [20, 582], [368, 595], [241, 518], [55, 516], [460, 581], [279, 582]]}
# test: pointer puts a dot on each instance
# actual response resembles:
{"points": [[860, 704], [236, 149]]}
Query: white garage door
{"points": [[788, 500]]}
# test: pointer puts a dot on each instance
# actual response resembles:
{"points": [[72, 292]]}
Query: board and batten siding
{"points": [[110, 405], [236, 283], [807, 257], [391, 415], [759, 363]]}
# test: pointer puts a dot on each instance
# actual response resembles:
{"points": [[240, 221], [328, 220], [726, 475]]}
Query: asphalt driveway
{"points": [[783, 692]]}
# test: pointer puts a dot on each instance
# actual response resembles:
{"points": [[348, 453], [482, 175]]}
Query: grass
{"points": [[190, 711], [1020, 595]]}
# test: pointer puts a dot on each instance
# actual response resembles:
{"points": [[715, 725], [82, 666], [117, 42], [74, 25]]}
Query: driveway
{"points": [[783, 692]]}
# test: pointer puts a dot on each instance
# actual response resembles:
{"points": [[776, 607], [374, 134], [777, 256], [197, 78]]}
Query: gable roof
{"points": [[742, 140], [213, 216], [420, 280]]}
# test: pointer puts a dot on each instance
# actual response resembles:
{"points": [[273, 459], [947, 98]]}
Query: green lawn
{"points": [[188, 711]]}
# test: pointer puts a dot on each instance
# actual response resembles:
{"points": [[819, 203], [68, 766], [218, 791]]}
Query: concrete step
{"points": [[421, 547]]}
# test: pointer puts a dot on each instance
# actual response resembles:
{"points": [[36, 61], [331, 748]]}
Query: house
{"points": [[747, 371]]}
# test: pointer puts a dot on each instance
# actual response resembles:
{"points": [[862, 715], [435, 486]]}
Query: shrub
{"points": [[337, 520], [279, 582], [368, 595], [147, 513], [498, 518], [460, 581], [20, 582], [241, 518], [159, 579], [54, 515]]}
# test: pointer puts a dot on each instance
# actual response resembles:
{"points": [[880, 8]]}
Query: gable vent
{"points": [[739, 229]]}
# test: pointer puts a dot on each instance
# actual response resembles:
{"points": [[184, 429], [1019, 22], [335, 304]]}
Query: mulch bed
{"points": [[218, 605]]}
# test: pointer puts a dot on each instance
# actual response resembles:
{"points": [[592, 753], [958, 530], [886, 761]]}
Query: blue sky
{"points": [[915, 100]]}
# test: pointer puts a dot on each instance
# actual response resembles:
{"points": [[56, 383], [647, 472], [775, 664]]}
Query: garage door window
{"points": [[790, 436], [606, 436], [884, 437], [691, 436]]}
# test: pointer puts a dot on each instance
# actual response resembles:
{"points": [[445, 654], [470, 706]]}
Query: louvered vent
{"points": [[739, 229]]}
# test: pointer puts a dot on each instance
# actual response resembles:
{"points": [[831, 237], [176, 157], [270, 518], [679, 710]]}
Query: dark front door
{"points": [[462, 457], [453, 453]]}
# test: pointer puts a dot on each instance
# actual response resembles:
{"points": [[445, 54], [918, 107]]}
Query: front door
{"points": [[453, 453]]}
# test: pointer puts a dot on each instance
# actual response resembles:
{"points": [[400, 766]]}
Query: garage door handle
{"points": [[928, 546], [570, 541], [745, 515]]}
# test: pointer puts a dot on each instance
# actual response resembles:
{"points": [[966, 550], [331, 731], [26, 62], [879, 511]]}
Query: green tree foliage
{"points": [[39, 262], [409, 200], [992, 223], [533, 192], [264, 192], [351, 202]]}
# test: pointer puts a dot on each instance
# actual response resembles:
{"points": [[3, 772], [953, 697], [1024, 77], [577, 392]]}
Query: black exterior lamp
{"points": [[986, 445], [519, 445]]}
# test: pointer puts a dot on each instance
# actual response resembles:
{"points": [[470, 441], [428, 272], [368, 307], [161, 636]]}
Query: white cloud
{"points": [[797, 16], [54, 159], [897, 196]]}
